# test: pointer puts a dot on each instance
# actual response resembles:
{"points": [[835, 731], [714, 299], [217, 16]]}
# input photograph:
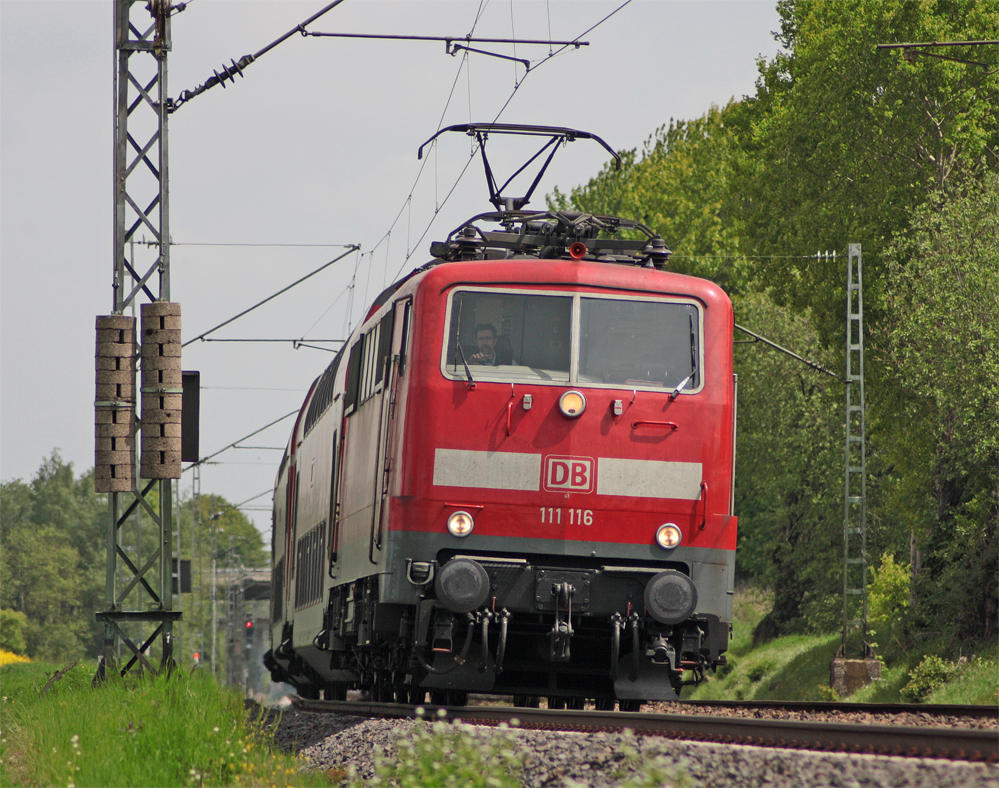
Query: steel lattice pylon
{"points": [[141, 203], [855, 636]]}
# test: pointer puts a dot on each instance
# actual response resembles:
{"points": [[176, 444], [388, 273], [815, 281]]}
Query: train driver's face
{"points": [[486, 341]]}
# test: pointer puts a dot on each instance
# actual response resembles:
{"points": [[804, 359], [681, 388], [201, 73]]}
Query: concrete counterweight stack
{"points": [[114, 457], [162, 392]]}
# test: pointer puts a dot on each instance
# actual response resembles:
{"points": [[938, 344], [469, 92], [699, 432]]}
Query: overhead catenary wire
{"points": [[258, 495], [411, 248], [319, 246], [202, 336], [249, 388], [232, 445], [502, 109], [467, 39], [229, 73]]}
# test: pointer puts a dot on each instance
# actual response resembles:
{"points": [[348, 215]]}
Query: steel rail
{"points": [[897, 740], [933, 710]]}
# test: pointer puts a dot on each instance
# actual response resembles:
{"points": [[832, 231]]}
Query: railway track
{"points": [[951, 743], [936, 710]]}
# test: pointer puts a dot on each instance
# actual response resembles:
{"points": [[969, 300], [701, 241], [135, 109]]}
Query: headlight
{"points": [[572, 403], [460, 524], [668, 536]]}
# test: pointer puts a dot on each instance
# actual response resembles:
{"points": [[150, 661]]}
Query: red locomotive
{"points": [[516, 477]]}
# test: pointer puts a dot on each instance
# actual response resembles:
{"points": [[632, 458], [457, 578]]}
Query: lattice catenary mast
{"points": [[141, 203]]}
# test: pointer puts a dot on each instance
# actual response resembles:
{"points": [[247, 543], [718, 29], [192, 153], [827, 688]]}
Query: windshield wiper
{"points": [[693, 362], [684, 382], [457, 342], [468, 372]]}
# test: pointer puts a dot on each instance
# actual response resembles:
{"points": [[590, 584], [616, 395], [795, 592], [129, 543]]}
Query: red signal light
{"points": [[249, 624]]}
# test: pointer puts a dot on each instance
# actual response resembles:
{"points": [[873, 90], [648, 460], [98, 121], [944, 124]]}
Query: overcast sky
{"points": [[314, 149]]}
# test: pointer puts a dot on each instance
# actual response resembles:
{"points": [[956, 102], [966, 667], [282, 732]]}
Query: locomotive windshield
{"points": [[619, 341], [637, 343], [510, 336]]}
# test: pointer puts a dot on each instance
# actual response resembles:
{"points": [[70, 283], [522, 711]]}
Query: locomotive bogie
{"points": [[516, 478]]}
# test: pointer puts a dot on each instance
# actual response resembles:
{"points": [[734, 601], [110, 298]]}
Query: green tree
{"points": [[12, 625], [888, 606], [47, 561], [53, 557], [943, 442], [679, 187], [789, 470], [848, 140], [237, 540]]}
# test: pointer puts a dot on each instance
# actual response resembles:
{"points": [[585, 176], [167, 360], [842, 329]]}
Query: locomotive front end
{"points": [[565, 511]]}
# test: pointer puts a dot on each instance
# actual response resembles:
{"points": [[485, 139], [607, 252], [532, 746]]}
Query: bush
{"points": [[759, 670], [927, 677], [888, 604], [12, 624]]}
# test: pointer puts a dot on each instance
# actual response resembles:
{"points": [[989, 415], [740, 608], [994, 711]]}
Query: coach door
{"points": [[368, 407], [388, 431]]}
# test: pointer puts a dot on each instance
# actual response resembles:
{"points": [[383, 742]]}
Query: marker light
{"points": [[460, 524], [572, 404], [668, 536]]}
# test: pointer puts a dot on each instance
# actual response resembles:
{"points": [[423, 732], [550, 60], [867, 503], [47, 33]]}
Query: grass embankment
{"points": [[796, 667], [151, 731]]}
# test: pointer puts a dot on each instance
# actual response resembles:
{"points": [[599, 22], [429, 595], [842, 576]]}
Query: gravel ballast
{"points": [[334, 743]]}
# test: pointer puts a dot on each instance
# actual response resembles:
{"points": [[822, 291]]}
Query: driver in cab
{"points": [[485, 341]]}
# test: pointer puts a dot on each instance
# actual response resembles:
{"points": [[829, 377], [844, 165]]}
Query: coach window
{"points": [[634, 343], [530, 336]]}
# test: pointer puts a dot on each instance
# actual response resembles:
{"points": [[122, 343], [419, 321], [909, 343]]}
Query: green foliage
{"points": [[679, 187], [943, 440], [790, 667], [796, 667], [12, 626], [749, 606], [759, 670], [887, 689], [788, 467], [53, 561], [237, 540], [181, 731], [444, 754], [847, 140], [976, 682], [887, 605], [51, 565], [931, 674], [659, 772]]}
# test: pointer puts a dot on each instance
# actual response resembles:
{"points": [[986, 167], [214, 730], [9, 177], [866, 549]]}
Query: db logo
{"points": [[569, 473]]}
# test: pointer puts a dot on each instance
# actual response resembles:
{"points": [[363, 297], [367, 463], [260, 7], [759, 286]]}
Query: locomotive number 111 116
{"points": [[550, 515]]}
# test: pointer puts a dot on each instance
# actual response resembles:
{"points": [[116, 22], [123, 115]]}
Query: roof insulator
{"points": [[468, 244], [656, 253]]}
